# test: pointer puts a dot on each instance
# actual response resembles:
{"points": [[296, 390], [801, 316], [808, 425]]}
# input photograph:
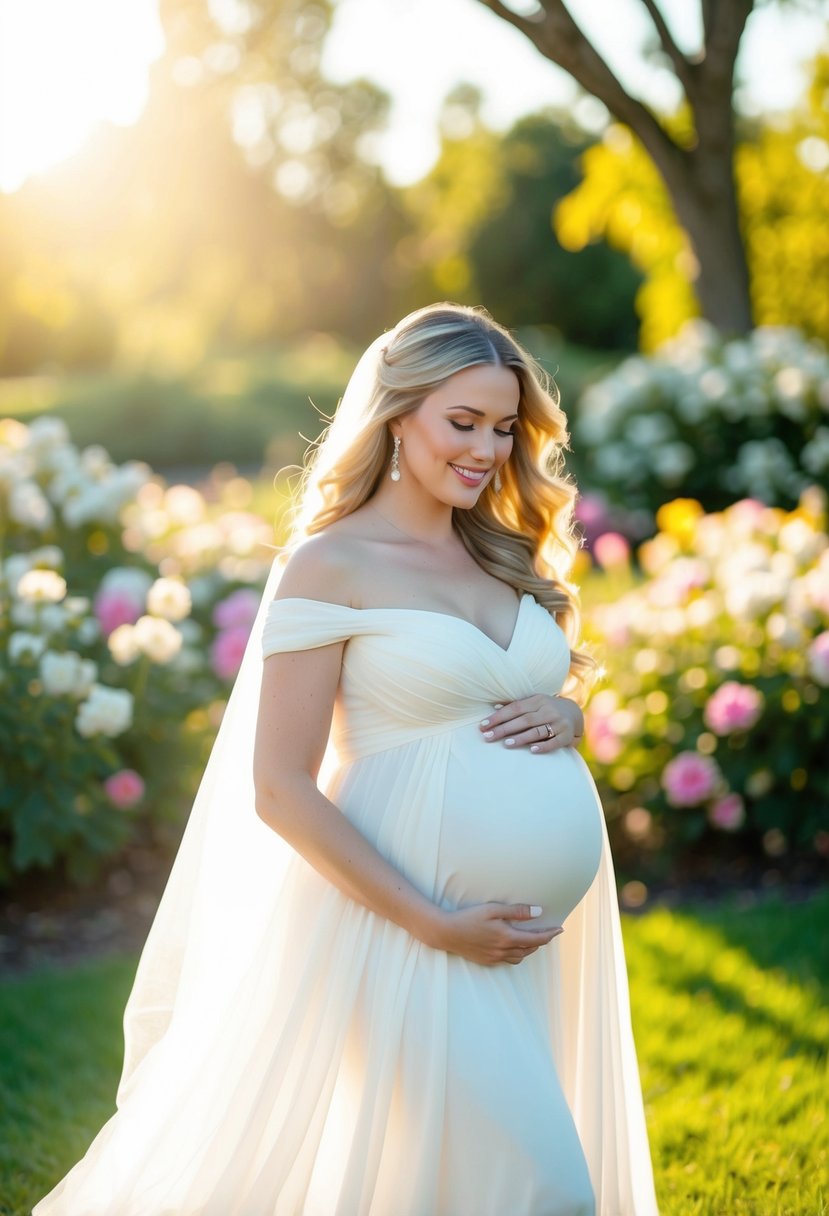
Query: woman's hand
{"points": [[525, 723], [482, 933]]}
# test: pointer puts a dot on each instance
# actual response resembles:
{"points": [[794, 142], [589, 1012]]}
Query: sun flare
{"points": [[65, 67]]}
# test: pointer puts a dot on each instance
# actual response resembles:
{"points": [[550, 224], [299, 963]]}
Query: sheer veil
{"points": [[225, 882]]}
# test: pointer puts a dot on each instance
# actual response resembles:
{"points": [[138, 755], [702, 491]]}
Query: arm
{"points": [[295, 711]]}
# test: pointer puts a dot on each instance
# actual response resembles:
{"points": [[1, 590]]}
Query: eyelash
{"points": [[460, 426]]}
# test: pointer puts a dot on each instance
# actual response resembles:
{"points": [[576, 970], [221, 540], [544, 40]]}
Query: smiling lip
{"points": [[470, 477]]}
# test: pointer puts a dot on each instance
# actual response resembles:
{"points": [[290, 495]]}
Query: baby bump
{"points": [[517, 827]]}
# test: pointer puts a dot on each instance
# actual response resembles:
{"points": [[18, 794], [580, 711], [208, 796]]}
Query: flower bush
{"points": [[713, 720], [124, 612], [718, 419]]}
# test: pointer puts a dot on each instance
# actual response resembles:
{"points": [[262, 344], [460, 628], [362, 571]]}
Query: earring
{"points": [[395, 460], [496, 481]]}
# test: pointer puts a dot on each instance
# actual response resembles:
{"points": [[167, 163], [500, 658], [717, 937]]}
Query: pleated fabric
{"points": [[291, 1053]]}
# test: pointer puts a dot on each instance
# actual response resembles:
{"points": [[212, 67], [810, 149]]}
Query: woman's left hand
{"points": [[540, 722]]}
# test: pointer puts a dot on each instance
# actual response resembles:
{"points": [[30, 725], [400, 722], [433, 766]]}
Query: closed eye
{"points": [[463, 426]]}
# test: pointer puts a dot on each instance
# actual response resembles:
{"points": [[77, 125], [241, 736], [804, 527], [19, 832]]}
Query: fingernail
{"points": [[489, 734], [534, 747], [535, 909], [499, 706], [509, 742], [485, 722]]}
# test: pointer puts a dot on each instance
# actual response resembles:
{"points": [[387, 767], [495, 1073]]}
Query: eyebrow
{"points": [[480, 413]]}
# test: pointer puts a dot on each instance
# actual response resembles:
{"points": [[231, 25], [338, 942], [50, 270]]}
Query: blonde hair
{"points": [[524, 534]]}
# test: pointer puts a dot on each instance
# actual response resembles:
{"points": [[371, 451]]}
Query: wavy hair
{"points": [[524, 534]]}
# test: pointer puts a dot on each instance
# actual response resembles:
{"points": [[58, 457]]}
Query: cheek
{"points": [[435, 444]]}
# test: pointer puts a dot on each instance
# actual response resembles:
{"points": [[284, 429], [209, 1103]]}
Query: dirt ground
{"points": [[47, 923]]}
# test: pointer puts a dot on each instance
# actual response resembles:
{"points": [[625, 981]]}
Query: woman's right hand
{"points": [[482, 933]]}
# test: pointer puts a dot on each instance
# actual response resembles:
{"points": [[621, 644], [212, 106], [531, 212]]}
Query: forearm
{"points": [[328, 841]]}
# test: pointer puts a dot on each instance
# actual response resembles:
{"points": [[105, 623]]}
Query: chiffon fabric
{"points": [[291, 1053]]}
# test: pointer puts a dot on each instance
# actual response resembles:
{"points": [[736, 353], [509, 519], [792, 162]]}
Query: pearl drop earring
{"points": [[395, 460]]}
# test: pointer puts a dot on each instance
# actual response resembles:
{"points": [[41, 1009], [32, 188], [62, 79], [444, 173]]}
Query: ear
{"points": [[395, 428]]}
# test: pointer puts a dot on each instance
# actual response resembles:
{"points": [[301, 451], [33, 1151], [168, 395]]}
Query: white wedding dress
{"points": [[323, 1062]]}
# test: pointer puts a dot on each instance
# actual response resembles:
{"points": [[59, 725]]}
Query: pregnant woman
{"points": [[386, 977]]}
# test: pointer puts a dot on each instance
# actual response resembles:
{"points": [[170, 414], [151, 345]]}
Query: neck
{"points": [[428, 522]]}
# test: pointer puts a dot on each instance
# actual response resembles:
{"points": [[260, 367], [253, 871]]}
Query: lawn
{"points": [[732, 1025]]}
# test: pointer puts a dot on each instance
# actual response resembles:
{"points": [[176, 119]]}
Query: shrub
{"points": [[714, 419], [714, 718], [117, 594]]}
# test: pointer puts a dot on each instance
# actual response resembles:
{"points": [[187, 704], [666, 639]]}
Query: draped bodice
{"points": [[411, 672]]}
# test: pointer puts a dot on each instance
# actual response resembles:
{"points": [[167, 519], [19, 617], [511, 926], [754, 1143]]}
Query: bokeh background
{"points": [[207, 209]]}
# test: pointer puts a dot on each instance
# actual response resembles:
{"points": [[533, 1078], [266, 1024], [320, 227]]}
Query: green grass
{"points": [[732, 1024]]}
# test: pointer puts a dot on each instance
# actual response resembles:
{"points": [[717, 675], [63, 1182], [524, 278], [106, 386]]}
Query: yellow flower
{"points": [[679, 518]]}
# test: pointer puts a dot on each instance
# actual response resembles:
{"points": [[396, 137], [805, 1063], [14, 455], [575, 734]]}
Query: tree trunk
{"points": [[700, 181], [704, 196]]}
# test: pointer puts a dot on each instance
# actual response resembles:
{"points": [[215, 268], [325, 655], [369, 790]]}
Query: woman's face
{"points": [[459, 435]]}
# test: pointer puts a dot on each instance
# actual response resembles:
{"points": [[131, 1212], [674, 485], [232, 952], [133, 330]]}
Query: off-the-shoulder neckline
{"points": [[449, 616]]}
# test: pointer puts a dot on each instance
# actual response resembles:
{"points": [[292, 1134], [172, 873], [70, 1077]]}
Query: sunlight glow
{"points": [[67, 65], [64, 68]]}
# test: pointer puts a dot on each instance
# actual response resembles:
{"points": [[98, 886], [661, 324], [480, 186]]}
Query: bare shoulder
{"points": [[329, 566]]}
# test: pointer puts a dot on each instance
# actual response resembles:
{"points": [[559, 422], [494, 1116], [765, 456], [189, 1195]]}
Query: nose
{"points": [[482, 446]]}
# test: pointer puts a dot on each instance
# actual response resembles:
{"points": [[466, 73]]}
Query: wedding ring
{"points": [[549, 730]]}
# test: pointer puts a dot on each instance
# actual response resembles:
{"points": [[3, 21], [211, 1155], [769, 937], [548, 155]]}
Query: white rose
{"points": [[41, 587], [671, 461], [21, 643], [95, 461], [67, 674], [714, 384], [23, 614], [188, 661], [106, 711], [88, 506], [815, 455], [76, 605], [52, 618], [47, 432], [29, 506], [123, 645], [14, 568], [88, 631], [169, 598], [157, 638], [191, 631], [802, 540], [48, 555], [754, 595], [67, 483], [184, 505]]}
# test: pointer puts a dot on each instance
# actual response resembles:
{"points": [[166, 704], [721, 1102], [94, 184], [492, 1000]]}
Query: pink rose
{"points": [[124, 788], [818, 657], [592, 513], [603, 741], [611, 549], [228, 650], [114, 608], [733, 706], [690, 778], [747, 513], [728, 813], [238, 610]]}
